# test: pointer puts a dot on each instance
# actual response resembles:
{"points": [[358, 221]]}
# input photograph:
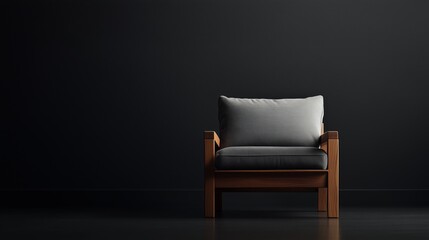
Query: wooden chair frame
{"points": [[325, 182]]}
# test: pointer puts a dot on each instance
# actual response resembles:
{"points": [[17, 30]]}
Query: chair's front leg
{"points": [[333, 178], [209, 178]]}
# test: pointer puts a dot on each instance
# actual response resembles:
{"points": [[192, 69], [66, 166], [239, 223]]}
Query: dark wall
{"points": [[116, 94]]}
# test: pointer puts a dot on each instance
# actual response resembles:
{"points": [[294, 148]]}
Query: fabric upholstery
{"points": [[270, 122], [263, 157]]}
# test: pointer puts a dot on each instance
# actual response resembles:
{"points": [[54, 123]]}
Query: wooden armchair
{"points": [[319, 172]]}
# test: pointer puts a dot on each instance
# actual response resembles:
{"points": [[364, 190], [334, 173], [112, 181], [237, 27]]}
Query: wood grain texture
{"points": [[271, 180], [333, 178], [209, 178]]}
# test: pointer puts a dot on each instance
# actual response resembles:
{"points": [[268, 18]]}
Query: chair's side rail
{"points": [[211, 135], [329, 142], [210, 142], [328, 135], [333, 154]]}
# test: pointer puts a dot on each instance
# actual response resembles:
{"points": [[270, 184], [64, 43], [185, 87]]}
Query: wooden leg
{"points": [[218, 201], [333, 179], [209, 179], [322, 199]]}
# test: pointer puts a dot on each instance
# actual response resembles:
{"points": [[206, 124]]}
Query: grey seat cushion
{"points": [[264, 157], [270, 122]]}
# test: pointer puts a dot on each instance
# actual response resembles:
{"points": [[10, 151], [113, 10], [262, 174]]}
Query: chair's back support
{"points": [[270, 122]]}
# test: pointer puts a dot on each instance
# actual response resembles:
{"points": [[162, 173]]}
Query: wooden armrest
{"points": [[213, 136], [328, 135]]}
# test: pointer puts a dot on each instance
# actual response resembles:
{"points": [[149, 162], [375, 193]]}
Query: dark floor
{"points": [[104, 223]]}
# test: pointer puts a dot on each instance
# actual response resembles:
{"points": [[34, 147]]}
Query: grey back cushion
{"points": [[270, 122]]}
